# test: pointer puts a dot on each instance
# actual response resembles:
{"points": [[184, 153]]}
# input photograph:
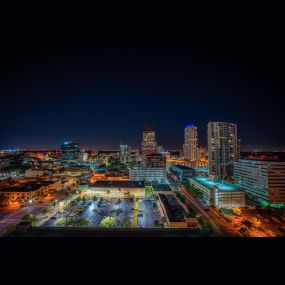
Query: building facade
{"points": [[125, 154], [149, 144], [147, 174], [32, 191], [196, 164], [182, 172], [218, 193], [190, 147], [69, 151], [263, 181], [223, 149], [83, 157], [155, 160]]}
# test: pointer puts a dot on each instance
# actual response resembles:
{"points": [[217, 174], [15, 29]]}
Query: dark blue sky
{"points": [[101, 97]]}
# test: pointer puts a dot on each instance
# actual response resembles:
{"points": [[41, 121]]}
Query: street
{"points": [[216, 225], [16, 216]]}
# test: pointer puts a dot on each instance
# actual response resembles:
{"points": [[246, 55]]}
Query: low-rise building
{"points": [[174, 212], [29, 191], [218, 193], [189, 163], [182, 171], [147, 174], [33, 172], [75, 170], [115, 189], [263, 181], [8, 173]]}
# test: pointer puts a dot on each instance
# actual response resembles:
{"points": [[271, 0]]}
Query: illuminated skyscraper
{"points": [[190, 147], [69, 151], [223, 148], [149, 144]]}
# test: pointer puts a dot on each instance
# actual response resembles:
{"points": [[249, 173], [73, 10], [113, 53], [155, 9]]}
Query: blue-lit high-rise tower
{"points": [[69, 151]]}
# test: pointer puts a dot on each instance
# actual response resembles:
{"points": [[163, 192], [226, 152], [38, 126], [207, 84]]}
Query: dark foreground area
{"points": [[89, 232]]}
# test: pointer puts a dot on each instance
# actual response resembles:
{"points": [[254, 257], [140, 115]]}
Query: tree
{"points": [[255, 222], [45, 211], [30, 218], [64, 222], [119, 212], [237, 211], [94, 198], [109, 222], [81, 222], [127, 223]]}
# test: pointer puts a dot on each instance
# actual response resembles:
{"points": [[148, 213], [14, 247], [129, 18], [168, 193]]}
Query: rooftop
{"points": [[174, 210], [209, 183], [28, 187], [154, 154], [162, 188], [116, 184], [182, 167]]}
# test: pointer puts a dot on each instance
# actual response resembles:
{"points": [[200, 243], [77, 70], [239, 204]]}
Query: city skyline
{"points": [[104, 97]]}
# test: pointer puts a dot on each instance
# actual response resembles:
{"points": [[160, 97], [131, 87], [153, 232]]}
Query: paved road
{"points": [[198, 207], [16, 216], [149, 213]]}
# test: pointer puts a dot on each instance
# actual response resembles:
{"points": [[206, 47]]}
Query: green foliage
{"points": [[45, 211], [81, 222], [127, 223], [30, 218], [119, 212], [64, 222], [195, 192], [11, 229], [109, 222], [180, 197]]}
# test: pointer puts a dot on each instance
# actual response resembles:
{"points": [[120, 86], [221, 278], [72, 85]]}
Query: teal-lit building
{"points": [[219, 193]]}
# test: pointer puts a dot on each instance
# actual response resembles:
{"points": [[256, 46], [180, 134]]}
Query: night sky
{"points": [[104, 97]]}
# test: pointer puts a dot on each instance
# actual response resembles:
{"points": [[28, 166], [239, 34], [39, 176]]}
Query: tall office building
{"points": [[83, 156], [155, 160], [223, 148], [125, 153], [152, 169], [263, 181], [69, 151], [190, 147], [149, 144]]}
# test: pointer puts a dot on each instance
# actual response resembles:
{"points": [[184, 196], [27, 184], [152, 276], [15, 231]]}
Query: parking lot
{"points": [[96, 211], [149, 214]]}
